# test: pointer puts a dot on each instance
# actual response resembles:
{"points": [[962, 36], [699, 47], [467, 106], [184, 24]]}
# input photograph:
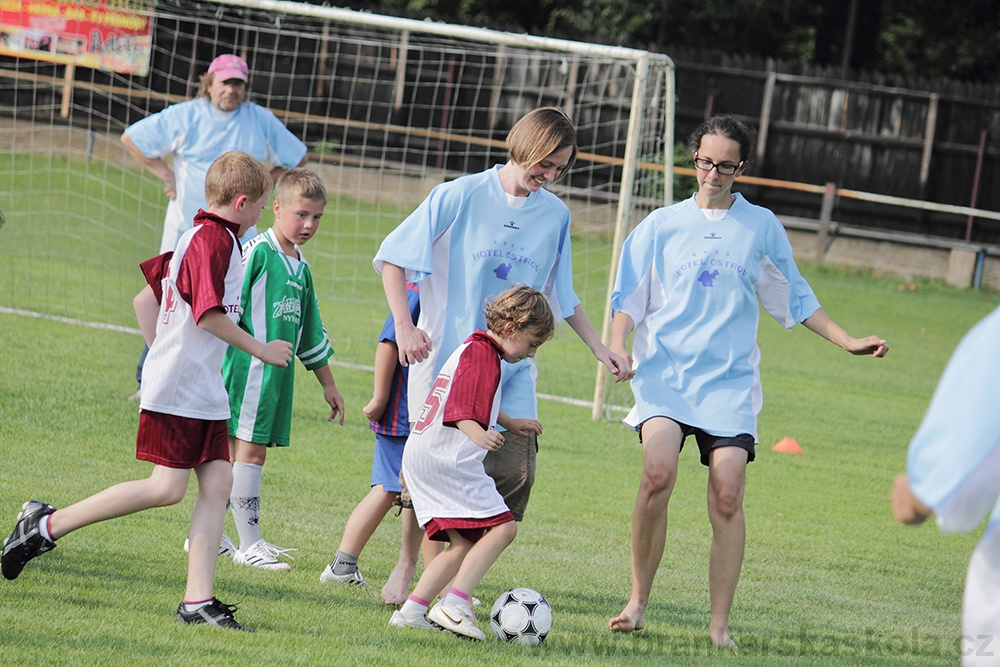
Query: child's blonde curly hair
{"points": [[526, 307]]}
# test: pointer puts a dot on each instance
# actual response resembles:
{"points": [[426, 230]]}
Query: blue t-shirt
{"points": [[395, 420], [195, 133], [691, 286], [954, 457], [466, 244]]}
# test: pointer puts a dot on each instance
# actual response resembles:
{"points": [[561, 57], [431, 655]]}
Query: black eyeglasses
{"points": [[725, 169]]}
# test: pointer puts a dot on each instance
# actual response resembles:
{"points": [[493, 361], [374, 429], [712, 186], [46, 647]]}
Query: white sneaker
{"points": [[353, 579], [400, 621], [264, 555], [226, 546], [457, 619], [476, 602]]}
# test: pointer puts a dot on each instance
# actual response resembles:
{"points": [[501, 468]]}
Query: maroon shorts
{"points": [[471, 529], [180, 442]]}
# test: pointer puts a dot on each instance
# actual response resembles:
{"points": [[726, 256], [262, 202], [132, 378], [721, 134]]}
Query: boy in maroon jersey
{"points": [[187, 314]]}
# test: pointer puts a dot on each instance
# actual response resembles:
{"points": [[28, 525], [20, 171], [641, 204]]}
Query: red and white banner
{"points": [[111, 35]]}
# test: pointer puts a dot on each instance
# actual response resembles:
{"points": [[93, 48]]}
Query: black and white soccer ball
{"points": [[521, 616]]}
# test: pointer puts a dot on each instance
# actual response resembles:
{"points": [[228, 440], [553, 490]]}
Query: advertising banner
{"points": [[111, 35]]}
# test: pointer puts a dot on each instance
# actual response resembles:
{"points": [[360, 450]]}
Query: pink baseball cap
{"points": [[228, 66]]}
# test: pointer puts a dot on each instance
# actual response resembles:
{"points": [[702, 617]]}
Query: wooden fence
{"points": [[930, 140]]}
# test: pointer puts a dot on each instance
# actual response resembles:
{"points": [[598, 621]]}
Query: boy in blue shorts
{"points": [[279, 303], [389, 418], [187, 313]]}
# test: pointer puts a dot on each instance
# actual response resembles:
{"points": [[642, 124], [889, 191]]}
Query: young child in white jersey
{"points": [[187, 314], [279, 303], [453, 497]]}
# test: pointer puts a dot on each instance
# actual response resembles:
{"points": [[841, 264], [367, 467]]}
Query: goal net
{"points": [[389, 107]]}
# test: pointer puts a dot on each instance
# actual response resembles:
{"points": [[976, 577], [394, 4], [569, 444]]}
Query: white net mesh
{"points": [[388, 108]]}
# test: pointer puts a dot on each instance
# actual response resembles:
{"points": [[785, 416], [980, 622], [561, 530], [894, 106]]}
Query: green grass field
{"points": [[828, 579]]}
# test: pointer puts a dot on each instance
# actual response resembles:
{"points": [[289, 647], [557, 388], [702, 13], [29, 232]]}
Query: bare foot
{"points": [[397, 588], [628, 621], [720, 637]]}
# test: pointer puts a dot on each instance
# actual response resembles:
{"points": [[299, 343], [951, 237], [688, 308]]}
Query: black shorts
{"points": [[707, 442]]}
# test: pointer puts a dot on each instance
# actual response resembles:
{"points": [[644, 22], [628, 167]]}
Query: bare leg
{"points": [[164, 486], [482, 555], [726, 484], [443, 568], [365, 518], [397, 587], [215, 481], [431, 549], [661, 446]]}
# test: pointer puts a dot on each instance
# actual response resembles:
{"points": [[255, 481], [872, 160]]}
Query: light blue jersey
{"points": [[954, 468], [691, 285], [195, 133], [465, 244], [954, 458]]}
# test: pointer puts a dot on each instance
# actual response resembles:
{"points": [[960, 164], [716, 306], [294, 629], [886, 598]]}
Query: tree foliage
{"points": [[931, 38], [915, 37]]}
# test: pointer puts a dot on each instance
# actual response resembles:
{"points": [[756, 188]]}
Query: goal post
{"points": [[388, 107]]}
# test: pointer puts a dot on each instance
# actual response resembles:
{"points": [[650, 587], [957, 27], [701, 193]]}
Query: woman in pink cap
{"points": [[220, 119]]}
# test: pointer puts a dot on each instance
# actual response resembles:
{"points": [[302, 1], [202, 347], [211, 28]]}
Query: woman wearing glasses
{"points": [[688, 284]]}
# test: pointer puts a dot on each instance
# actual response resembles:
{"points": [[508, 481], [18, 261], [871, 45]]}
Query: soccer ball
{"points": [[521, 616]]}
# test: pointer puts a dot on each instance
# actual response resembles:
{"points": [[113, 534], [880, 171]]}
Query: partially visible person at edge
{"points": [[953, 474], [469, 240], [688, 284], [194, 133]]}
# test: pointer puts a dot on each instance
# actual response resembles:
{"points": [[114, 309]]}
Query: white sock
{"points": [[195, 606], [43, 528], [412, 609], [454, 600], [245, 502]]}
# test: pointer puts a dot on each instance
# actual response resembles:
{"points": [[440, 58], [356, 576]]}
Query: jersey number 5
{"points": [[433, 403]]}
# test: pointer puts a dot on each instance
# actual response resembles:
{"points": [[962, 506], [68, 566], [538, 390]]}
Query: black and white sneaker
{"points": [[215, 613], [26, 541]]}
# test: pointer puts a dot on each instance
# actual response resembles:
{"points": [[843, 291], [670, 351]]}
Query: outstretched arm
{"points": [[619, 365], [820, 323], [906, 507], [330, 393], [156, 166], [621, 327], [217, 323], [414, 344]]}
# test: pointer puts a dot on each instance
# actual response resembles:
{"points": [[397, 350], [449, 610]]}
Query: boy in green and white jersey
{"points": [[279, 303]]}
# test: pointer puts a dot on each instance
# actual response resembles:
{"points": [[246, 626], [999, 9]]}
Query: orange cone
{"points": [[787, 446]]}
